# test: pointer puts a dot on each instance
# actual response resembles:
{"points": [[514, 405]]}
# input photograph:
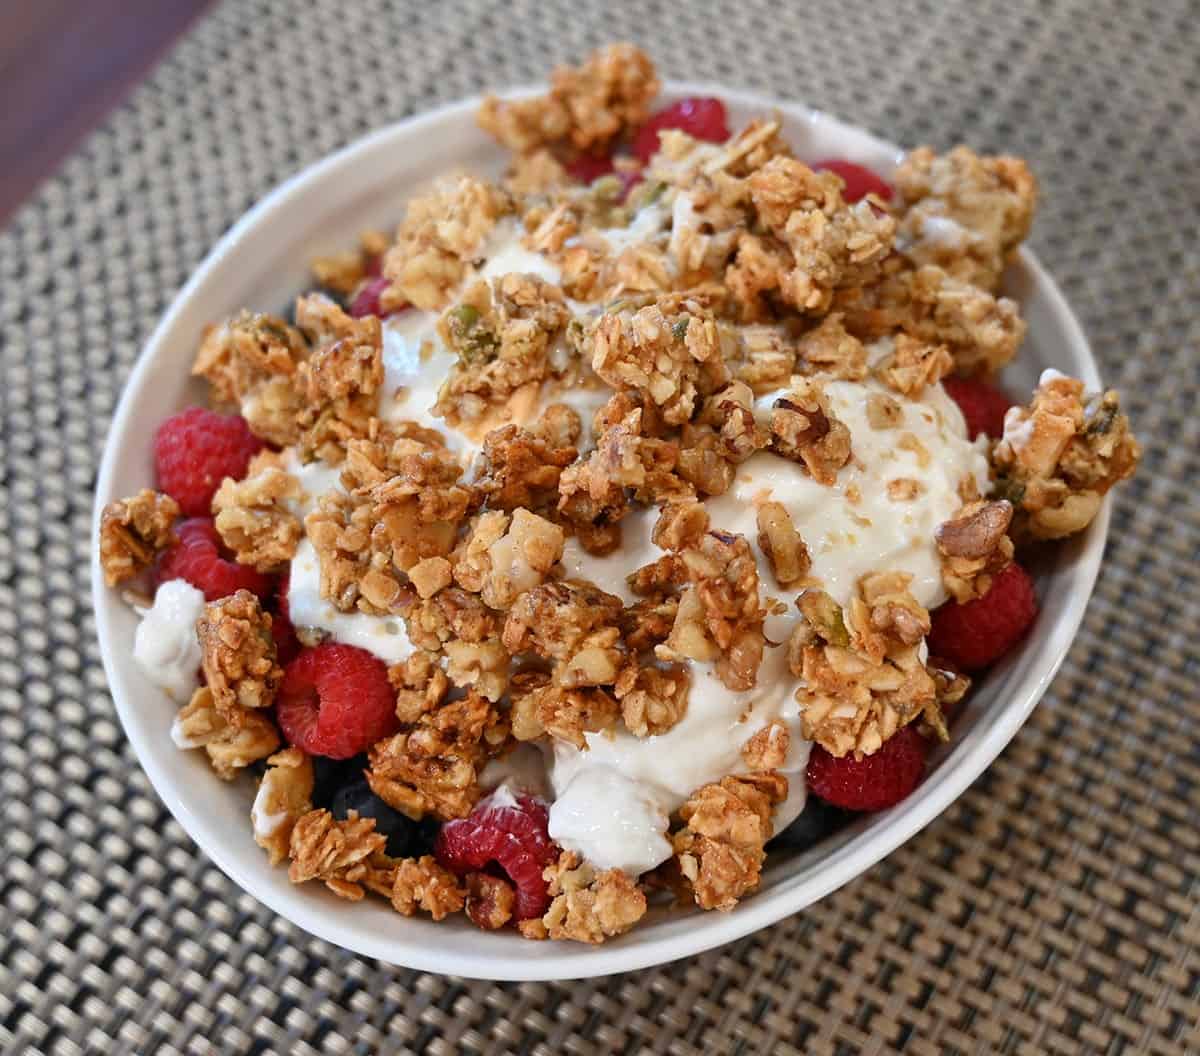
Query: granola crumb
{"points": [[233, 738], [253, 518], [345, 855], [974, 545], [490, 901], [284, 795]]}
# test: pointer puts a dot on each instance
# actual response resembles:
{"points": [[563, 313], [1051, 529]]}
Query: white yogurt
{"points": [[265, 823], [385, 637], [165, 645], [610, 820]]}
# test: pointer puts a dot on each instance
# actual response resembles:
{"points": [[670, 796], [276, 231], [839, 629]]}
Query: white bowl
{"points": [[261, 263]]}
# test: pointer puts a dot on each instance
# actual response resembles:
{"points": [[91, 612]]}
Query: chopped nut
{"points": [[1061, 455], [343, 854], [420, 686], [503, 557], [974, 546], [133, 532], [284, 794], [430, 575], [421, 883], [254, 521], [805, 430], [233, 738], [590, 906], [482, 666], [781, 544], [720, 850], [680, 525], [238, 653]]}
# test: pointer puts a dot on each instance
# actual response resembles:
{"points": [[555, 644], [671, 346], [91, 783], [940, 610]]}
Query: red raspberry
{"points": [[287, 645], [701, 118], [979, 632], [514, 836], [983, 405], [366, 301], [197, 449], [860, 181], [587, 168], [873, 782], [335, 700], [197, 558]]}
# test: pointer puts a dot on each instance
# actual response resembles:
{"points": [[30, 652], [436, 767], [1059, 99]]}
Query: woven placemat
{"points": [[1052, 909]]}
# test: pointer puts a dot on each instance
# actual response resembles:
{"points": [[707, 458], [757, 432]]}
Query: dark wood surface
{"points": [[64, 64]]}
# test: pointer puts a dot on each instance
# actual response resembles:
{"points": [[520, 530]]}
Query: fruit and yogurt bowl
{"points": [[611, 523]]}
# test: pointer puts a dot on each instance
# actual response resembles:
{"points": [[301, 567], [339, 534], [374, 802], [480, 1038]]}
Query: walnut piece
{"points": [[653, 699], [720, 850], [781, 544], [541, 708], [589, 905], [974, 546], [914, 364], [233, 738], [503, 557], [421, 883], [520, 467], [346, 855], [133, 532], [804, 430], [587, 108], [254, 520], [237, 653], [1061, 455], [284, 794]]}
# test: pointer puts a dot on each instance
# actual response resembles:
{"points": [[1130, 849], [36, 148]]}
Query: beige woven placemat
{"points": [[1052, 909]]}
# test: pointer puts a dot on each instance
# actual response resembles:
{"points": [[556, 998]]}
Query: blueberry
{"points": [[817, 820], [329, 775], [405, 838]]}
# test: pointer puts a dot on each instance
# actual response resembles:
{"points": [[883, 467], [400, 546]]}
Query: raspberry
{"points": [[587, 168], [873, 782], [860, 181], [366, 301], [511, 833], [197, 449], [197, 558], [979, 632], [287, 645], [701, 118], [335, 700], [982, 405]]}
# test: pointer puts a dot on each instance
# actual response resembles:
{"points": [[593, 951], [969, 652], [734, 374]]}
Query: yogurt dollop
{"points": [[165, 645]]}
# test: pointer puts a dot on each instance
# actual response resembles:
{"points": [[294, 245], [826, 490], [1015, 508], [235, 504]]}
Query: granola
{"points": [[637, 488], [133, 532]]}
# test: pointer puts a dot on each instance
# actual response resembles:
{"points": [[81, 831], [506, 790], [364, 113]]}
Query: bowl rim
{"points": [[573, 961]]}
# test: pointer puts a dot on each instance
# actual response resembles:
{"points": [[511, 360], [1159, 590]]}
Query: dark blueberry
{"points": [[329, 775], [405, 838], [817, 820]]}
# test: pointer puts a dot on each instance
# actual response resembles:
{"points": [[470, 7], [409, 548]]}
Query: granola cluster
{"points": [[653, 354], [1060, 456]]}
